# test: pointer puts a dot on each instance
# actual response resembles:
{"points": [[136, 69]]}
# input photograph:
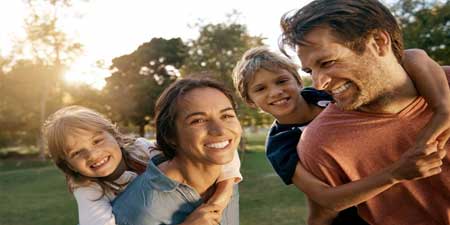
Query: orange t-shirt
{"points": [[343, 146]]}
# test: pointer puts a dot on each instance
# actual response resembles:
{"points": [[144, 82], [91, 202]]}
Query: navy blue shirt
{"points": [[282, 139]]}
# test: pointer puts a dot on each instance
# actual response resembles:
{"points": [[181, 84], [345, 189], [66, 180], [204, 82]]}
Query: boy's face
{"points": [[276, 93], [93, 154]]}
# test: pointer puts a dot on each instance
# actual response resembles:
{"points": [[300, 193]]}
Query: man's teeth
{"points": [[341, 89], [103, 161], [279, 102], [222, 144]]}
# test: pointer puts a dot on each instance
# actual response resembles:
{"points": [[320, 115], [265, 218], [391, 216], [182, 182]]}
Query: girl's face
{"points": [[276, 93], [207, 128], [93, 153]]}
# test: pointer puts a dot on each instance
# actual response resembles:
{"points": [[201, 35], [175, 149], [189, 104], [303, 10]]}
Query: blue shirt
{"points": [[282, 139], [155, 199]]}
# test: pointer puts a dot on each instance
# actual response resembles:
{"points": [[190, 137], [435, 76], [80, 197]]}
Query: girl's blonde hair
{"points": [[256, 59], [65, 122]]}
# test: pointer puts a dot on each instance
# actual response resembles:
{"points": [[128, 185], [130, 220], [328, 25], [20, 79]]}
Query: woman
{"points": [[198, 131]]}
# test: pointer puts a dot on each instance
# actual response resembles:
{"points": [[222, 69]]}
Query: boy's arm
{"points": [[413, 164], [431, 82]]}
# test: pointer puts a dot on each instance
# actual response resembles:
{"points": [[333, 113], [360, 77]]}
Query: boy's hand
{"points": [[205, 214], [438, 129], [418, 163]]}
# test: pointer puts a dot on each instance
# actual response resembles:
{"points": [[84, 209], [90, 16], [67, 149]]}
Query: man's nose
{"points": [[321, 81]]}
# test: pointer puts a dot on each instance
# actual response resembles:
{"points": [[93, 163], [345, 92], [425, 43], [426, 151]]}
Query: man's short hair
{"points": [[352, 21]]}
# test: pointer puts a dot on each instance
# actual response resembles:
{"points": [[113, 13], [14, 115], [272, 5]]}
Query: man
{"points": [[352, 49]]}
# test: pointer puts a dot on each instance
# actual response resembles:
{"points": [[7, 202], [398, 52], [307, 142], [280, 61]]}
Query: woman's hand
{"points": [[438, 129], [205, 214]]}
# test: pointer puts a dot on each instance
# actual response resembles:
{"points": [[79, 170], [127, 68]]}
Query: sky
{"points": [[111, 28]]}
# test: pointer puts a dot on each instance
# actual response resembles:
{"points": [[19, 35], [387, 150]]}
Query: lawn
{"points": [[34, 193]]}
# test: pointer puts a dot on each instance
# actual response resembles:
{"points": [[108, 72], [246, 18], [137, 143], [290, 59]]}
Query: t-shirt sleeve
{"points": [[282, 154], [319, 163], [93, 210], [232, 170]]}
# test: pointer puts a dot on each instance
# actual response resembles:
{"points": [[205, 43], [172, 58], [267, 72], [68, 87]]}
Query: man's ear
{"points": [[381, 42]]}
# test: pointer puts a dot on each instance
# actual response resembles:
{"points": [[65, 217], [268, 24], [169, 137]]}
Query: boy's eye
{"points": [[282, 81]]}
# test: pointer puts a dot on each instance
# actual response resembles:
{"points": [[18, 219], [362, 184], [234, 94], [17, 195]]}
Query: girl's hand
{"points": [[417, 163], [438, 129], [205, 214]]}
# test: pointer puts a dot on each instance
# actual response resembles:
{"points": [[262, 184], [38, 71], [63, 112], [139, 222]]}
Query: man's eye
{"points": [[98, 141], [328, 63]]}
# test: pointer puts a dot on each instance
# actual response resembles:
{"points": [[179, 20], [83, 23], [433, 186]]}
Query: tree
{"points": [[140, 77], [50, 50], [426, 25], [217, 50]]}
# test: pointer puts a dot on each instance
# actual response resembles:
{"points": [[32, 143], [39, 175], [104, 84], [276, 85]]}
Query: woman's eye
{"points": [[228, 116], [197, 121]]}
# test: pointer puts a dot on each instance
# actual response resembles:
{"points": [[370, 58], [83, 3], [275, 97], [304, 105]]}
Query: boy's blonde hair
{"points": [[256, 59], [67, 121]]}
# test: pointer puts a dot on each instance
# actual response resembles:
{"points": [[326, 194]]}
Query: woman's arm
{"points": [[91, 209], [412, 165], [431, 82]]}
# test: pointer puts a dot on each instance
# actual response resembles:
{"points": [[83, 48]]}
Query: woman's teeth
{"points": [[222, 144]]}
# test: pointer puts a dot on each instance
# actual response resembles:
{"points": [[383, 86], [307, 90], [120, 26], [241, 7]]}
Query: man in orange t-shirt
{"points": [[352, 50]]}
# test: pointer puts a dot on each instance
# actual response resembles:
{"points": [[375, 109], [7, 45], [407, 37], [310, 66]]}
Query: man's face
{"points": [[353, 80]]}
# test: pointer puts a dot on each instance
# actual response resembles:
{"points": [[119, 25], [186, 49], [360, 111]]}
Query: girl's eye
{"points": [[75, 154], [328, 63], [258, 89]]}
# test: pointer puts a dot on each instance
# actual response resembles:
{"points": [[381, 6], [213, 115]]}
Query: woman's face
{"points": [[207, 127]]}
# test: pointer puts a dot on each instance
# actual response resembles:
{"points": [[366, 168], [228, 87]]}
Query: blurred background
{"points": [[116, 56]]}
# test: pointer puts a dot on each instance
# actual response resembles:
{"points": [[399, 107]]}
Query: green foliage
{"points": [[426, 25], [140, 77]]}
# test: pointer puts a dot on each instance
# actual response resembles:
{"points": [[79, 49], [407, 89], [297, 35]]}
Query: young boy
{"points": [[270, 81]]}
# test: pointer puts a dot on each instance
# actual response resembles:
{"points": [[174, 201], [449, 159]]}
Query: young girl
{"points": [[270, 82], [99, 162]]}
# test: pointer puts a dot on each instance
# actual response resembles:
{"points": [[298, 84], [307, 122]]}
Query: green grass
{"points": [[34, 193]]}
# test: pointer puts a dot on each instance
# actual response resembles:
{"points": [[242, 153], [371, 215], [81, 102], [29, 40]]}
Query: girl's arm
{"points": [[224, 190], [432, 84], [92, 211], [412, 165]]}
